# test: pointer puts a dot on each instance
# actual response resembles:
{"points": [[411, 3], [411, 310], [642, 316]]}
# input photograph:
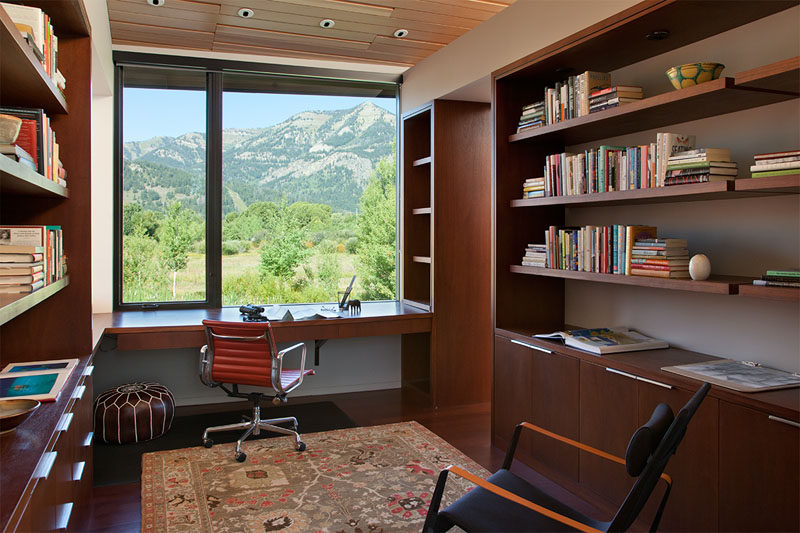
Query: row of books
{"points": [[35, 27], [776, 164], [567, 99], [36, 145], [612, 249], [31, 257], [779, 278], [701, 165]]}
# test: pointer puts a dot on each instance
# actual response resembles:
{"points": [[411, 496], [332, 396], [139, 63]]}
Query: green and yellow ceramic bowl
{"points": [[694, 73]]}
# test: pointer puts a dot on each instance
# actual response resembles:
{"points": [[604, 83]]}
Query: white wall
{"points": [[346, 365], [518, 30]]}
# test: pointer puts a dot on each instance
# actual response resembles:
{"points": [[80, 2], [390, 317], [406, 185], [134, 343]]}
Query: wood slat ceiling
{"points": [[363, 30]]}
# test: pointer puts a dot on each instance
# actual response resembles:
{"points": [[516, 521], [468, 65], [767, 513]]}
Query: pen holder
{"points": [[342, 297]]}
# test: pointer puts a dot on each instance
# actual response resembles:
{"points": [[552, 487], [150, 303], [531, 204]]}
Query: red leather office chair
{"points": [[240, 353]]}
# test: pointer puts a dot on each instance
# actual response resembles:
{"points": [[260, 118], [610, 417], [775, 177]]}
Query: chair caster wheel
{"points": [[208, 443], [301, 446], [276, 401], [241, 456]]}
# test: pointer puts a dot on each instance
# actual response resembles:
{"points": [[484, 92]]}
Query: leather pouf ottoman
{"points": [[134, 412]]}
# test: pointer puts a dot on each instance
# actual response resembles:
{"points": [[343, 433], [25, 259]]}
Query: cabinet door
{"points": [[608, 418], [512, 392], [759, 471], [63, 470], [82, 466], [555, 392], [692, 504], [39, 515]]}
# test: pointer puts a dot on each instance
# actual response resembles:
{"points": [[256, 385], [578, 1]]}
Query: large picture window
{"points": [[238, 188]]}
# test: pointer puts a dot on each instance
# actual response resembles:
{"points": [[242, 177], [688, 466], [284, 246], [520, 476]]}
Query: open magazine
{"points": [[307, 312], [606, 340]]}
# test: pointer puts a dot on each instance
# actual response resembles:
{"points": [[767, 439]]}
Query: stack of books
{"points": [[776, 164], [35, 27], [37, 142], [570, 98], [532, 116], [535, 256], [533, 188], [614, 97], [779, 278], [701, 165], [18, 154], [660, 258], [23, 246], [21, 271]]}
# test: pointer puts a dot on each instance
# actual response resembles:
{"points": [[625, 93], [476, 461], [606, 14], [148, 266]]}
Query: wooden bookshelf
{"points": [[713, 285], [16, 178], [422, 161], [13, 305], [421, 211], [786, 184], [19, 63], [778, 76], [790, 294]]}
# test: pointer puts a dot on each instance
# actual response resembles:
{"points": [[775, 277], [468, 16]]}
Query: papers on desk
{"points": [[305, 312]]}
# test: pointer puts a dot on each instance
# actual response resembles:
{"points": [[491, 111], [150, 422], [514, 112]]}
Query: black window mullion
{"points": [[214, 189], [116, 299]]}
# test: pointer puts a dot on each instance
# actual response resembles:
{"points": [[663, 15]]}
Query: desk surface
{"points": [[183, 327]]}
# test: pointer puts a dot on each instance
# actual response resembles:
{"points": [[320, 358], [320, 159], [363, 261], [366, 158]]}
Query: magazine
{"points": [[606, 340], [35, 380], [742, 376]]}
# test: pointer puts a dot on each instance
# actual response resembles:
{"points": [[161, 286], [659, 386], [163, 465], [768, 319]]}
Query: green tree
{"points": [[284, 250], [376, 233], [176, 238], [328, 269], [135, 217], [143, 272]]}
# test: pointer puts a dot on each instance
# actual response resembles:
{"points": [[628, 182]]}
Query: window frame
{"points": [[214, 71]]}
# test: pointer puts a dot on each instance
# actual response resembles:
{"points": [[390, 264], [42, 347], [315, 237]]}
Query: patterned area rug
{"points": [[359, 480]]}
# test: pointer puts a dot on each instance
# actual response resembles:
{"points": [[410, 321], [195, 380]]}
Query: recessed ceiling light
{"points": [[326, 23], [658, 35], [246, 13], [400, 33], [156, 3]]}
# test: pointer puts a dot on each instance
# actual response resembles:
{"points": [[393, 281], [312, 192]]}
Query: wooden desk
{"points": [[151, 330]]}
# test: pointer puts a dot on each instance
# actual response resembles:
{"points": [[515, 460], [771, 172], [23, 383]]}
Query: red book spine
{"points": [[27, 138], [665, 268]]}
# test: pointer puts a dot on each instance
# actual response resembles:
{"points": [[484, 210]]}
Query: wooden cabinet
{"points": [[759, 470], [511, 402], [446, 247]]}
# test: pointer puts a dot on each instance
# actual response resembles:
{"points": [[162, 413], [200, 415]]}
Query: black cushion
{"points": [[481, 510], [646, 439]]}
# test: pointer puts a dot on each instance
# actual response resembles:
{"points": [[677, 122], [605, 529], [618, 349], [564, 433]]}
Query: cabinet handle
{"points": [[63, 514], [45, 465], [79, 390], [64, 422], [77, 470], [88, 370], [88, 440], [784, 421], [531, 346], [639, 378]]}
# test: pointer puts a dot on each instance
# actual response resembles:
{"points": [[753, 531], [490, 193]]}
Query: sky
{"points": [[157, 112]]}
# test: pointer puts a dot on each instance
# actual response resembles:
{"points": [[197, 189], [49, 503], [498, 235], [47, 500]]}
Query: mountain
{"points": [[314, 156]]}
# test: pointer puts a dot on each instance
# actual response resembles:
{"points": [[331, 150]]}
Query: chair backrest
{"points": [[241, 352], [649, 450]]}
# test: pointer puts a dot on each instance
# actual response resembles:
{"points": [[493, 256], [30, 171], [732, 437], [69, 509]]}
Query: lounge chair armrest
{"points": [[283, 352]]}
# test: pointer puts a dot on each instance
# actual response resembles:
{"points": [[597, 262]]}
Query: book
{"points": [[606, 340], [14, 269], [670, 145], [306, 312], [633, 234], [21, 288], [768, 283], [16, 151], [32, 17], [774, 155], [769, 173], [787, 272], [695, 178], [775, 166], [36, 380], [24, 279], [661, 243], [31, 134], [637, 270], [708, 154], [617, 89], [742, 376], [700, 164], [719, 171], [20, 258]]}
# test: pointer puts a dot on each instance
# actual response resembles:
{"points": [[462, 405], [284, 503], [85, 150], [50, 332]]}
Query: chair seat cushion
{"points": [[134, 412], [481, 510]]}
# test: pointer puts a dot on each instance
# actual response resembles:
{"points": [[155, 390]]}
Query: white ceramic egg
{"points": [[699, 267]]}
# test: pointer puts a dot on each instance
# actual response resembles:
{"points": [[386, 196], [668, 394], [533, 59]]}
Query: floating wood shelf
{"points": [[420, 162], [19, 63], [422, 211], [780, 76], [714, 285], [708, 99], [421, 259], [19, 179], [791, 294], [13, 305], [786, 184]]}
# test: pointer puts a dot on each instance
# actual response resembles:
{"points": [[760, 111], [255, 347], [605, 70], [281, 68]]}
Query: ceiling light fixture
{"points": [[246, 13], [400, 33], [156, 3], [327, 23]]}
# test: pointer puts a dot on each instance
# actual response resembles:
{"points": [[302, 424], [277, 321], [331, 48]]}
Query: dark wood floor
{"points": [[117, 508]]}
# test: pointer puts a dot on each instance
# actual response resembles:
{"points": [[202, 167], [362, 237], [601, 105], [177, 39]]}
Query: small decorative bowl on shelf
{"points": [[690, 74], [9, 128], [14, 412]]}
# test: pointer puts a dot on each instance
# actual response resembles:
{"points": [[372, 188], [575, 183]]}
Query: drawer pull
{"points": [[45, 465], [88, 440], [79, 390], [88, 370], [531, 346], [63, 514], [639, 378], [784, 421], [64, 422], [77, 470]]}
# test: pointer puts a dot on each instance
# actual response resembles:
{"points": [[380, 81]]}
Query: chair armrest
{"points": [[289, 349], [277, 369], [503, 493]]}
